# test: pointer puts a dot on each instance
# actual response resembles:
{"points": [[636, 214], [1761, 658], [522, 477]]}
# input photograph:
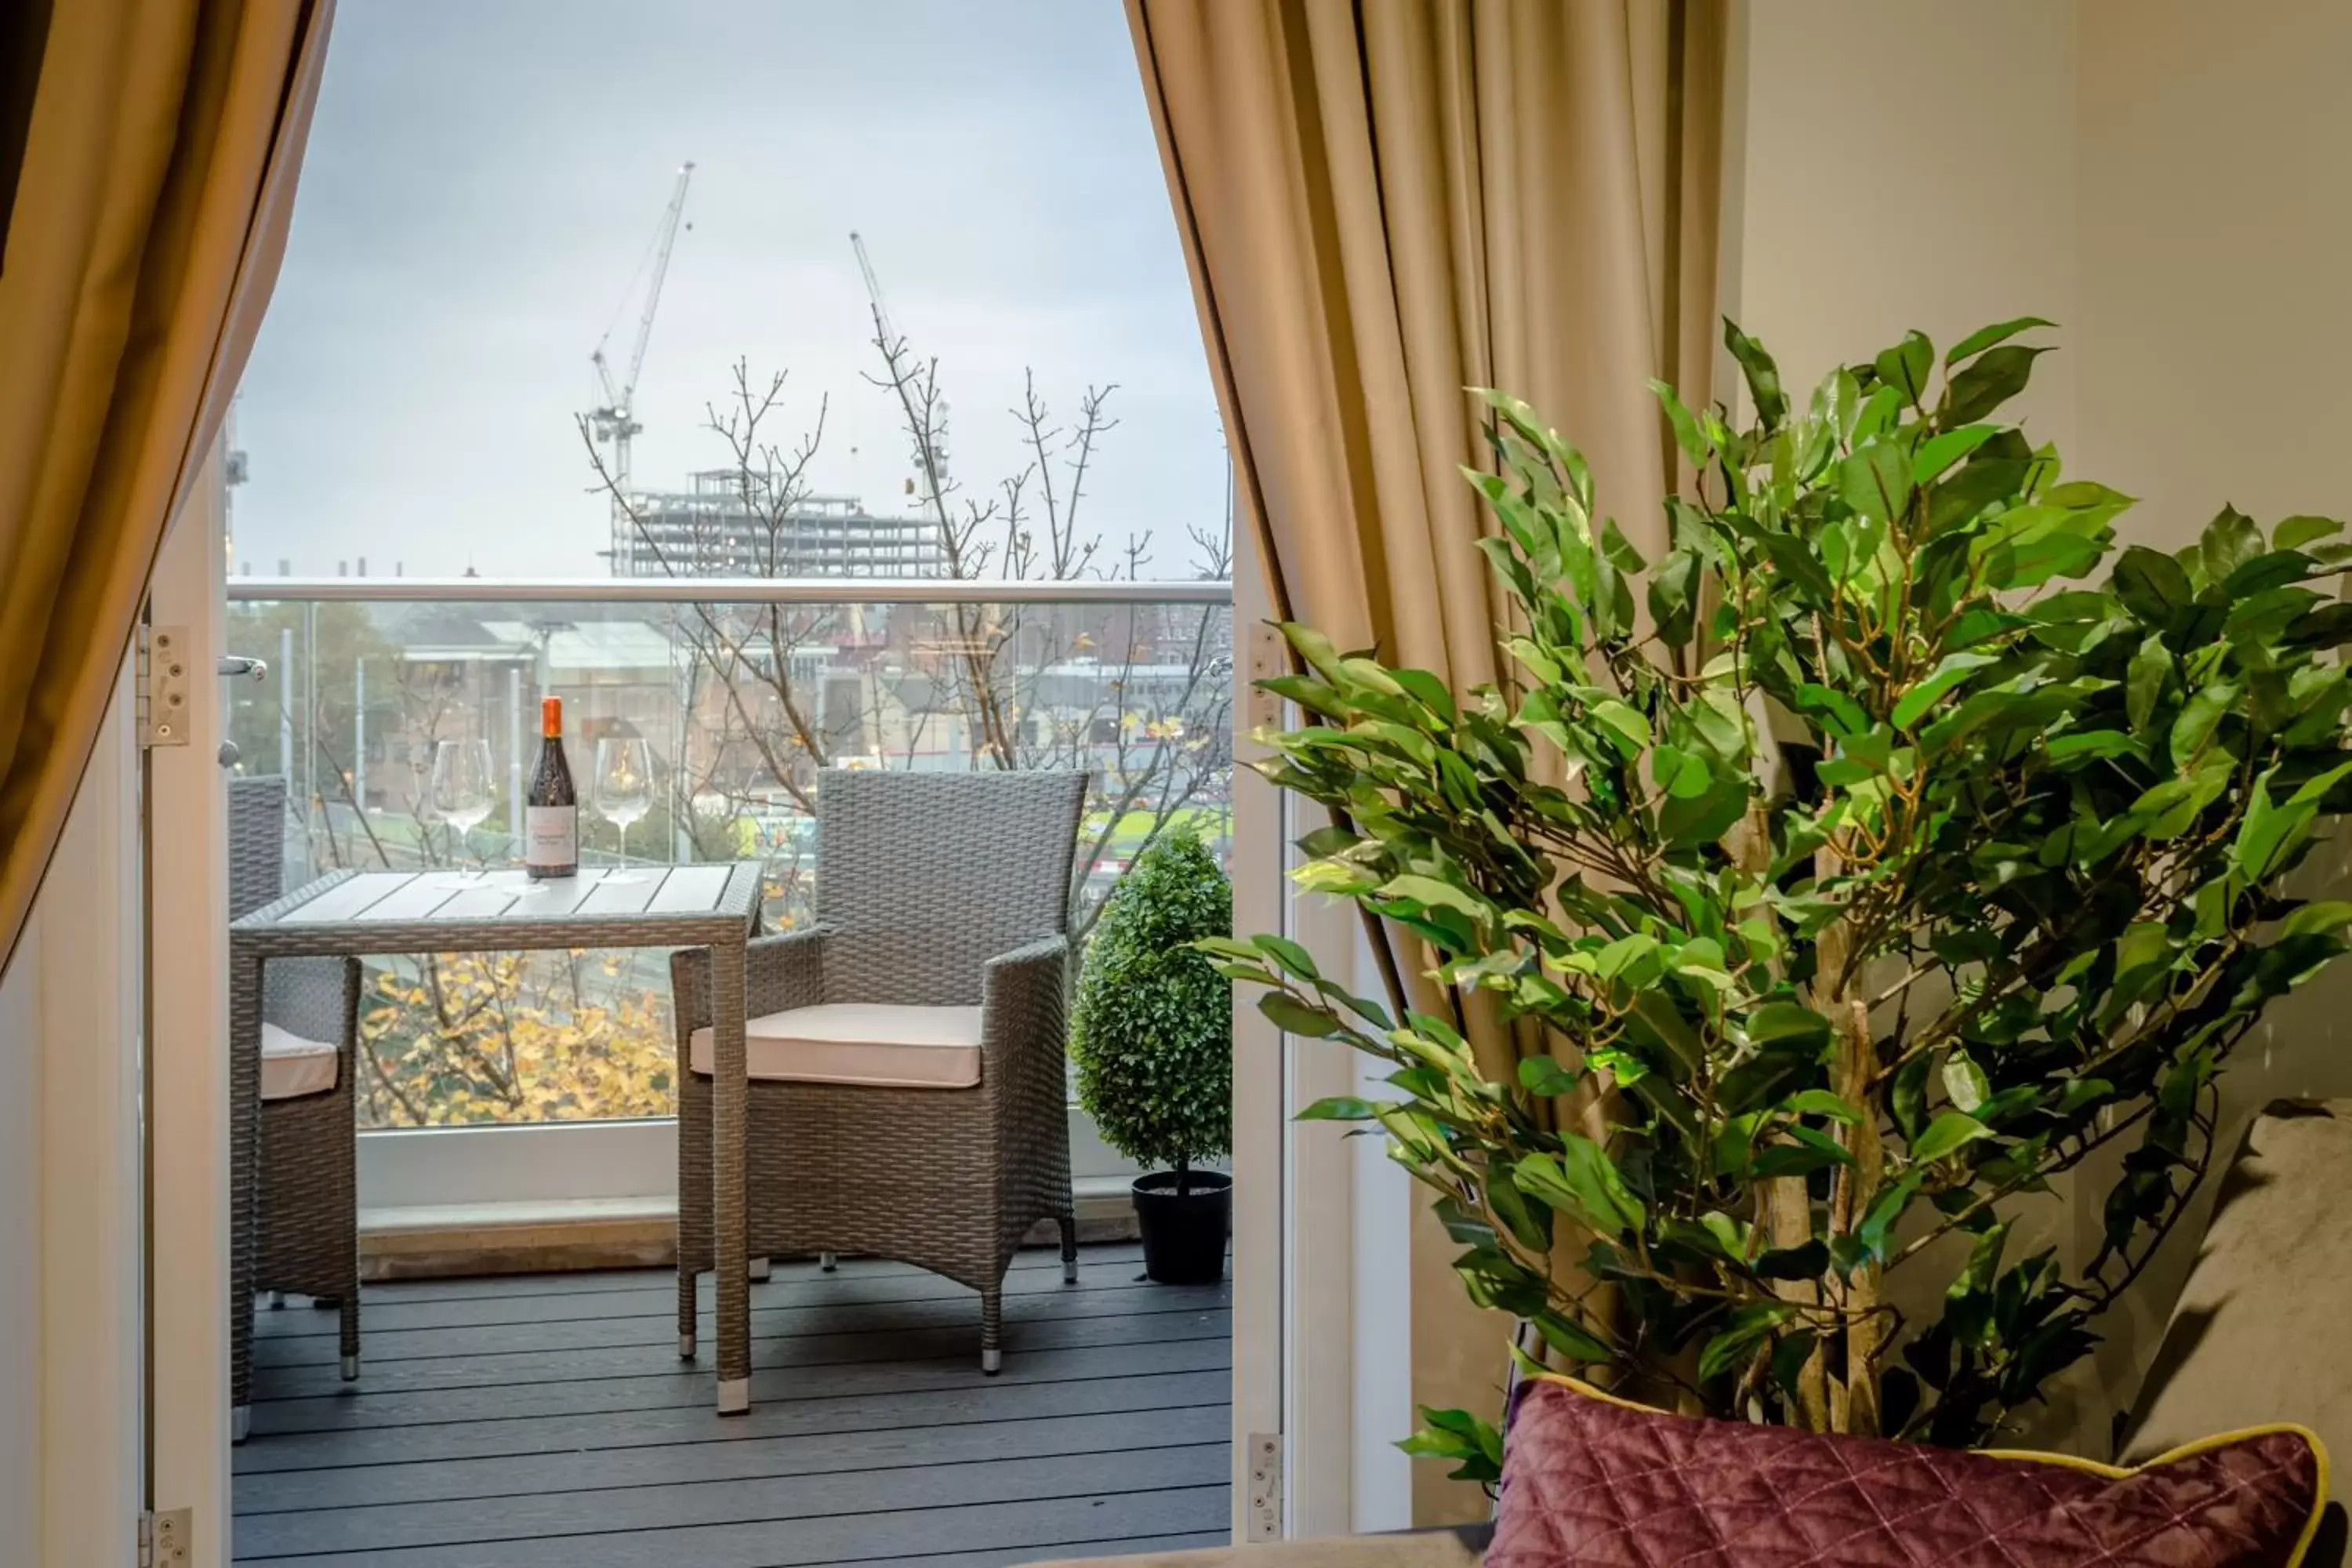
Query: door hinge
{"points": [[163, 686], [1265, 1521], [164, 1538]]}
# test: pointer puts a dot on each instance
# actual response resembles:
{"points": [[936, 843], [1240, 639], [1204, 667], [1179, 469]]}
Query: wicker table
{"points": [[356, 913]]}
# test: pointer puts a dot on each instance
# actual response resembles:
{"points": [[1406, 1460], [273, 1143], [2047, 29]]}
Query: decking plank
{"points": [[553, 1361], [757, 1458], [352, 1406], [534, 1285], [395, 1312], [1021, 1531], [547, 1421], [386, 1345], [377, 1448]]}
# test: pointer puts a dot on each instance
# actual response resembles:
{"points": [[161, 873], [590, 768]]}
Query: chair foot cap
{"points": [[685, 1347], [240, 1422], [992, 1362], [351, 1369], [1069, 1272], [734, 1396], [759, 1269], [277, 1301], [825, 1261]]}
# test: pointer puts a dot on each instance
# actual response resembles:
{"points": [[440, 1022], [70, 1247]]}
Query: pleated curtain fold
{"points": [[148, 156], [1384, 202]]}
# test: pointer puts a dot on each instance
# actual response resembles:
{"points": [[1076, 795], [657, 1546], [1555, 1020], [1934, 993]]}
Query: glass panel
{"points": [[737, 708]]}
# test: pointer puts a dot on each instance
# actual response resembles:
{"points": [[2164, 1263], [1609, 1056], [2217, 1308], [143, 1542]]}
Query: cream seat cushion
{"points": [[292, 1067], [878, 1043]]}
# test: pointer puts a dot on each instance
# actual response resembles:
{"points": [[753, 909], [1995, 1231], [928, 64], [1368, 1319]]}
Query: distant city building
{"points": [[713, 530]]}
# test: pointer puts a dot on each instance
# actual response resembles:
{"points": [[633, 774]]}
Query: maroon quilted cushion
{"points": [[1597, 1484]]}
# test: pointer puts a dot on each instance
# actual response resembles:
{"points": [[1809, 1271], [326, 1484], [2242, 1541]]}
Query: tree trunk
{"points": [[1853, 1393]]}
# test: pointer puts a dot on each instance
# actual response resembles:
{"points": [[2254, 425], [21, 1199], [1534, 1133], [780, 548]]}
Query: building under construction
{"points": [[728, 526]]}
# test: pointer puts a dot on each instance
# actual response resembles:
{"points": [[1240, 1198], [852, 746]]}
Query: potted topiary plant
{"points": [[1152, 1037], [2022, 897]]}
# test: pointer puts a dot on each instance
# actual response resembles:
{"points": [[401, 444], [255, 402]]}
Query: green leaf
{"points": [[2318, 919], [1787, 1025], [2294, 532], [1949, 672], [1876, 482], [1627, 729], [1949, 1133], [1431, 894], [1965, 1082], [1904, 366], [1743, 1333], [2150, 666], [1986, 383], [1983, 338], [1340, 1108], [1763, 377], [1685, 429], [1290, 956], [2150, 583], [1822, 1103], [2199, 716], [1570, 1339], [1583, 1180], [1908, 1096], [2230, 540], [1296, 1018], [1544, 1077], [1940, 452]]}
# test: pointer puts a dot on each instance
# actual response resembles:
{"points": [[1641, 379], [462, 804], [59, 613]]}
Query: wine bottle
{"points": [[551, 816]]}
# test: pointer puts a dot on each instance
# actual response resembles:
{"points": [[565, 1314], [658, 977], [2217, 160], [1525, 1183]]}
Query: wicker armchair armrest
{"points": [[780, 972], [315, 998], [1023, 996]]}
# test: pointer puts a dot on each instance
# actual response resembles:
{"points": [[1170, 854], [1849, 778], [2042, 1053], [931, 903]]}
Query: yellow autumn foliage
{"points": [[466, 1038]]}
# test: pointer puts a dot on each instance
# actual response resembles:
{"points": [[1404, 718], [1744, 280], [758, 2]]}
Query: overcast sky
{"points": [[484, 177]]}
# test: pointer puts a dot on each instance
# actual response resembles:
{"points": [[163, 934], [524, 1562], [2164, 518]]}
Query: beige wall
{"points": [[1906, 166], [2165, 178]]}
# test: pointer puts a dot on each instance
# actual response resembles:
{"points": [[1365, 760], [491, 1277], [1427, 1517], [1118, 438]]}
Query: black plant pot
{"points": [[1184, 1238]]}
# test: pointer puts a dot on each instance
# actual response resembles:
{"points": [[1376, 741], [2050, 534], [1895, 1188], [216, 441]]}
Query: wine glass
{"points": [[625, 788], [465, 787]]}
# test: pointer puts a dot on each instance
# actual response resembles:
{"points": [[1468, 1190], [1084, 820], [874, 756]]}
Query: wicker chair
{"points": [[940, 897], [303, 1205]]}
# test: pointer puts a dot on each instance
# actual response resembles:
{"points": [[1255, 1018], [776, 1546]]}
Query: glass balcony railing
{"points": [[740, 692]]}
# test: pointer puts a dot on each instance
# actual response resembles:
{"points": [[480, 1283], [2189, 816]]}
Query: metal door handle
{"points": [[237, 664]]}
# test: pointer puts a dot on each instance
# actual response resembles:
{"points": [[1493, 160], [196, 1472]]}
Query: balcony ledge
{"points": [[435, 1240]]}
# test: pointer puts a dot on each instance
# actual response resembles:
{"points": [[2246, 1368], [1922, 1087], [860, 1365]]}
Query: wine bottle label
{"points": [[550, 837]]}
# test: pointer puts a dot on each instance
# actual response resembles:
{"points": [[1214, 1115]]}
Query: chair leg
{"points": [[685, 1313], [1069, 1249], [991, 1313], [350, 1326]]}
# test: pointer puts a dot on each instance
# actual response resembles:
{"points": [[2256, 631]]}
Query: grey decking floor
{"points": [[534, 1421]]}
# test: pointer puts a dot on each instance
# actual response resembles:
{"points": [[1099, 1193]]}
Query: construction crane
{"points": [[930, 484], [615, 420]]}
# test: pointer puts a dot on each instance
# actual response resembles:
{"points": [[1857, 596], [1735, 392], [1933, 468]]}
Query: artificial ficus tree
{"points": [[2013, 896]]}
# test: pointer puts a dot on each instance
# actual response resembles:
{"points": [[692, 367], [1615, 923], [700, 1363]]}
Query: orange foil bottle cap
{"points": [[551, 715]]}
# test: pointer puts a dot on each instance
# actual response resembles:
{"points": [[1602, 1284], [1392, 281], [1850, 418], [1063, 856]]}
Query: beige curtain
{"points": [[153, 152], [1384, 201]]}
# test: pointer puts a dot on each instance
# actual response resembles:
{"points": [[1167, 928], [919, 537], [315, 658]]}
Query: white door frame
{"points": [[1263, 1208], [187, 825], [69, 1013]]}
